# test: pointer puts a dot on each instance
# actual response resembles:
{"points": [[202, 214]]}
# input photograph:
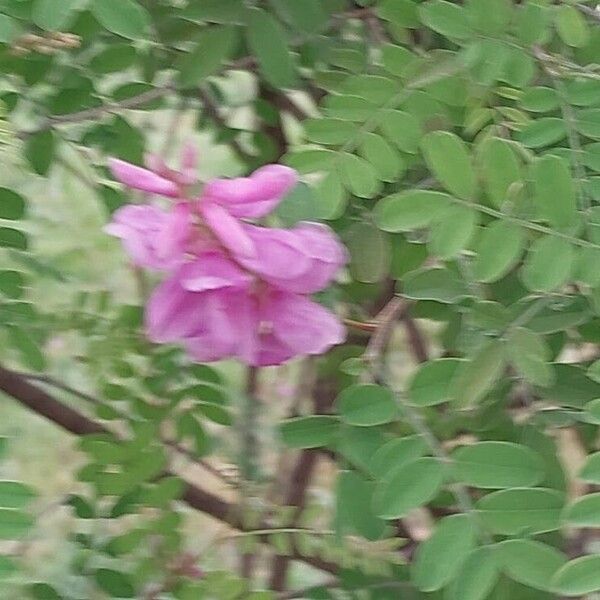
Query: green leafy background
{"points": [[450, 448]]}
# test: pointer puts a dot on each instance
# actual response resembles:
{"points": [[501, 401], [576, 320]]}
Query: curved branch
{"points": [[41, 402]]}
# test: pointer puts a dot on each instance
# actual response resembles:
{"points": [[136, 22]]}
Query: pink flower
{"points": [[303, 260], [152, 237], [234, 289], [158, 178], [226, 316], [255, 196]]}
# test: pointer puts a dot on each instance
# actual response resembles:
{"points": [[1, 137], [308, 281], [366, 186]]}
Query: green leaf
{"points": [[430, 384], [386, 161], [452, 234], [497, 465], [530, 355], [82, 507], [11, 284], [446, 18], [348, 108], [354, 512], [299, 205], [521, 510], [115, 583], [571, 388], [438, 560], [365, 405], [14, 494], [39, 150], [402, 13], [397, 59], [533, 20], [499, 247], [411, 485], [212, 48], [572, 26], [474, 378], [52, 15], [434, 284], [582, 92], [42, 591], [584, 512], [588, 123], [9, 29], [215, 11], [590, 471], [402, 129], [491, 17], [14, 524], [330, 132], [332, 196], [406, 256], [308, 432], [123, 17], [358, 444], [307, 16], [549, 264], [12, 205], [359, 175], [374, 88], [267, 41], [8, 567], [530, 562], [555, 191], [114, 58], [540, 99], [395, 453], [477, 576], [369, 252], [578, 577], [29, 351], [542, 132], [448, 159], [410, 210], [501, 168]]}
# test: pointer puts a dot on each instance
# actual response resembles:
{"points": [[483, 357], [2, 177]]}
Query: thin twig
{"points": [[590, 12], [39, 401], [97, 112]]}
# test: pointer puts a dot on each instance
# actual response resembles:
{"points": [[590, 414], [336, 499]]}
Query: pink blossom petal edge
{"points": [[142, 179], [254, 196], [228, 230], [153, 238]]}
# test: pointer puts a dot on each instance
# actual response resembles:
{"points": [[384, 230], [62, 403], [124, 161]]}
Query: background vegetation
{"points": [[449, 448]]}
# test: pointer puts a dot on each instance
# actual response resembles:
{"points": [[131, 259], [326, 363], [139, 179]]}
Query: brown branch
{"points": [[416, 341], [99, 111], [324, 395], [39, 401], [275, 131], [283, 102]]}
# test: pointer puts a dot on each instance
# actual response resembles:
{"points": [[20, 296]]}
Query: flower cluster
{"points": [[233, 288]]}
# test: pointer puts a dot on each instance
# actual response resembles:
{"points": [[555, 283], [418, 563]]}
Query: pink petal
{"points": [[211, 272], [173, 313], [232, 329], [189, 156], [228, 230], [304, 326], [326, 256], [279, 253], [142, 179], [254, 196], [144, 230]]}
